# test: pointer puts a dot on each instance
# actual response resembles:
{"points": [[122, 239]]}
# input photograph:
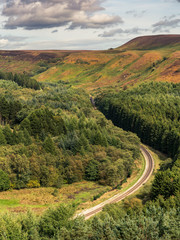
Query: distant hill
{"points": [[151, 42], [149, 58]]}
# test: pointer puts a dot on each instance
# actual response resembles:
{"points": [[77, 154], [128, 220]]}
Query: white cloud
{"points": [[3, 42], [39, 14]]}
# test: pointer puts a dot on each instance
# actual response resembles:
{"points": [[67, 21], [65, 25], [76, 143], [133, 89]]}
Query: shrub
{"points": [[33, 184]]}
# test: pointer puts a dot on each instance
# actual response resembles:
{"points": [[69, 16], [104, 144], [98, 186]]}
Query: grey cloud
{"points": [[118, 31], [135, 13], [96, 21], [38, 14], [166, 24], [54, 31]]}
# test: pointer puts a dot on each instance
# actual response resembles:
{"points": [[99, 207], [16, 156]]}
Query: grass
{"points": [[39, 199], [8, 203]]}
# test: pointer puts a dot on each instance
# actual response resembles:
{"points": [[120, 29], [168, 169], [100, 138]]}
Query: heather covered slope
{"points": [[151, 42], [142, 59]]}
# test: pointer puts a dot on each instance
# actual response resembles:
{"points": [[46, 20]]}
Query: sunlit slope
{"points": [[119, 68], [142, 59]]}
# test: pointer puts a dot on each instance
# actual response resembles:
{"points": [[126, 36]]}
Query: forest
{"points": [[22, 80], [53, 136], [150, 110]]}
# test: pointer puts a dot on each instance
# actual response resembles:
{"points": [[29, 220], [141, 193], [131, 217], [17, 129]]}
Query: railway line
{"points": [[118, 197]]}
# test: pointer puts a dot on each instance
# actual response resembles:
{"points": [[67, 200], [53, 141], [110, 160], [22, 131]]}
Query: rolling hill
{"points": [[142, 59], [151, 42]]}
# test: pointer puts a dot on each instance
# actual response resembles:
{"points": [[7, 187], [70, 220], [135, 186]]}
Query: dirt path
{"points": [[118, 197]]}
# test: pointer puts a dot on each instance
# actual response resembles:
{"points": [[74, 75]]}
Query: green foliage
{"points": [[8, 110], [57, 137], [4, 181], [92, 171], [10, 137], [43, 120], [166, 184], [33, 184], [54, 219], [150, 110], [49, 145], [22, 80], [2, 138], [115, 222]]}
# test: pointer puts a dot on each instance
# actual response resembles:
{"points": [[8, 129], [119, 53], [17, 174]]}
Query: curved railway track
{"points": [[118, 197]]}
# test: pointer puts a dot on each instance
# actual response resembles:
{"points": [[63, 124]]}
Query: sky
{"points": [[83, 24]]}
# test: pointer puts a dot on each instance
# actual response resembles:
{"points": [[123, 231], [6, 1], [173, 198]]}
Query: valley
{"points": [[61, 155]]}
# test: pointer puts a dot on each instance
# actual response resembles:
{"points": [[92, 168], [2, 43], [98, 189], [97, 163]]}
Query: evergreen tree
{"points": [[4, 181], [49, 145], [92, 171], [2, 138], [8, 135], [27, 138]]}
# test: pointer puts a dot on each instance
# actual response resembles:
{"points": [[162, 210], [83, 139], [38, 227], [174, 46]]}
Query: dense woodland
{"points": [[151, 110], [55, 136], [22, 80]]}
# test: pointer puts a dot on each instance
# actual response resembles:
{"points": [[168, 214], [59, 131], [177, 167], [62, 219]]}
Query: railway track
{"points": [[118, 197]]}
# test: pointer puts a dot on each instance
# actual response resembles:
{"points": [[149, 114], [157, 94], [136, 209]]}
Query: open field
{"points": [[39, 199], [81, 194]]}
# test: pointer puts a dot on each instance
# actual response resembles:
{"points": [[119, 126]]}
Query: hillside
{"points": [[151, 42], [142, 59]]}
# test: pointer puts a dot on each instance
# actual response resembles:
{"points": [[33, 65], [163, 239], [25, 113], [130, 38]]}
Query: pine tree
{"points": [[8, 135], [25, 124], [49, 145], [27, 138], [2, 138]]}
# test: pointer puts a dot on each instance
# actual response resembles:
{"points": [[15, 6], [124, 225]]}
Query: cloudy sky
{"points": [[83, 24]]}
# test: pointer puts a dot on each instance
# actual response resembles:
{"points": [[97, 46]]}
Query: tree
{"points": [[49, 145], [27, 138], [8, 135], [2, 138], [54, 219], [4, 181], [92, 171]]}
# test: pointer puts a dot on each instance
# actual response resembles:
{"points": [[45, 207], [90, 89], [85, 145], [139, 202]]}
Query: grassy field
{"points": [[81, 194], [39, 199]]}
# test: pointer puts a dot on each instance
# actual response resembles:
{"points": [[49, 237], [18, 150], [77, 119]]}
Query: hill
{"points": [[151, 42], [149, 58]]}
